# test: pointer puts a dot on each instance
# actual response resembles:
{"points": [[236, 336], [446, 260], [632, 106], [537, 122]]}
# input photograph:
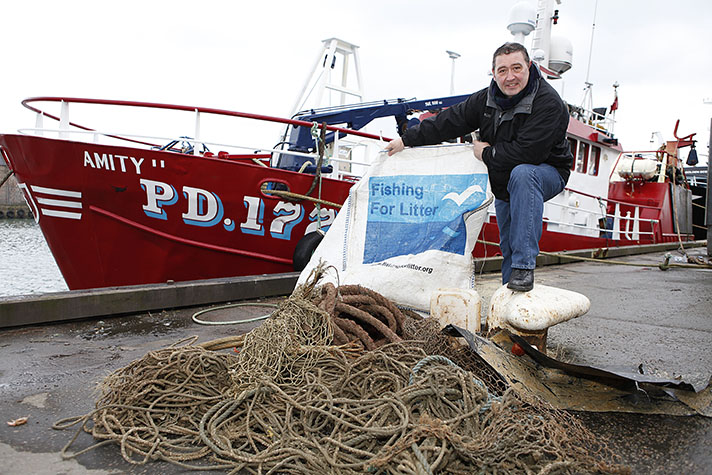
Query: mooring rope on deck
{"points": [[662, 266], [195, 316]]}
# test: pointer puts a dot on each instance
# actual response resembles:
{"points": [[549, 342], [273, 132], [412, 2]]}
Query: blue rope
{"points": [[426, 360], [442, 359]]}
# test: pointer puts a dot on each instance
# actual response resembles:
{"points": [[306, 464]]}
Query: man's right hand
{"points": [[479, 148], [395, 146]]}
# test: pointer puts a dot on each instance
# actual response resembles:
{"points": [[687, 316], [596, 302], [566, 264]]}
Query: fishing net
{"points": [[286, 346], [297, 398]]}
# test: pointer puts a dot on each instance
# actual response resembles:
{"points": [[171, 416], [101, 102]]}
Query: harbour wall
{"points": [[12, 203]]}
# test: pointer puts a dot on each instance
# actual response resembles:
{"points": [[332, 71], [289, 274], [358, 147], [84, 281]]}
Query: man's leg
{"points": [[503, 222], [529, 187]]}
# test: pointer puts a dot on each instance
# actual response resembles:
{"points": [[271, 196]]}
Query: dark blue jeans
{"points": [[520, 219]]}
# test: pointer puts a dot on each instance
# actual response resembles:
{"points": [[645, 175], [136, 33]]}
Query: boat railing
{"points": [[195, 144], [616, 225], [628, 226], [596, 118], [67, 128], [620, 225], [610, 200], [696, 176]]}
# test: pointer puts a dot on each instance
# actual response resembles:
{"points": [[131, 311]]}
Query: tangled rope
{"points": [[152, 406], [360, 314], [294, 401]]}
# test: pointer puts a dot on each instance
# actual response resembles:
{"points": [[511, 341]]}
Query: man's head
{"points": [[510, 67]]}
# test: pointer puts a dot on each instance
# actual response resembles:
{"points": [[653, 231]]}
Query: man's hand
{"points": [[478, 148], [395, 146]]}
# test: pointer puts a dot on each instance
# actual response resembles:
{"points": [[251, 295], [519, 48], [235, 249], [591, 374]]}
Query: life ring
{"points": [[304, 250]]}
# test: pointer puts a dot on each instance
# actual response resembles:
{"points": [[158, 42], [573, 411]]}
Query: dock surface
{"points": [[640, 317]]}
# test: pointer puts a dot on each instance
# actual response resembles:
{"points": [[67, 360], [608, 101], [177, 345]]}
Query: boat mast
{"points": [[321, 79], [587, 103], [552, 54], [541, 44]]}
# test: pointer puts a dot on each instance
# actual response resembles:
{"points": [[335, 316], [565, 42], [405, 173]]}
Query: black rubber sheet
{"points": [[585, 388]]}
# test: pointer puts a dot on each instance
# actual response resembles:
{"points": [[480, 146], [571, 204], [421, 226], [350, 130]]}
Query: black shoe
{"points": [[521, 280]]}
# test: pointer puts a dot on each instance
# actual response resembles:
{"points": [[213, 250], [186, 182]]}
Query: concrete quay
{"points": [[661, 320], [12, 204]]}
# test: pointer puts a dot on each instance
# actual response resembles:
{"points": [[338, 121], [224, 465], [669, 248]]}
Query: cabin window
{"points": [[572, 146], [594, 161], [582, 158]]}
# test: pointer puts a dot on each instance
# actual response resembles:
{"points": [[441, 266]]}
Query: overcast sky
{"points": [[253, 56]]}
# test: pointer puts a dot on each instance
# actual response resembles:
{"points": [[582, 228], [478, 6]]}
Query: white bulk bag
{"points": [[409, 225]]}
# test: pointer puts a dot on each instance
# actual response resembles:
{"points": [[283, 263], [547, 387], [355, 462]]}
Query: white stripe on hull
{"points": [[60, 203], [60, 214], [54, 191]]}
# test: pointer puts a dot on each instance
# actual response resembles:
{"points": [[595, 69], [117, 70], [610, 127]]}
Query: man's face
{"points": [[511, 73]]}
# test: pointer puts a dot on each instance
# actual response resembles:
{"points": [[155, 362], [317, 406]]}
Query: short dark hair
{"points": [[509, 48]]}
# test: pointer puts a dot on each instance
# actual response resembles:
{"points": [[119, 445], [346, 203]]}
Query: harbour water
{"points": [[26, 263]]}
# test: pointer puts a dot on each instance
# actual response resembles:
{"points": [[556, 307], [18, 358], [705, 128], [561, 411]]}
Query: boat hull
{"points": [[115, 216]]}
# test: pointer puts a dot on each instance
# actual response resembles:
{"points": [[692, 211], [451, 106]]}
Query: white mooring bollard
{"points": [[530, 314]]}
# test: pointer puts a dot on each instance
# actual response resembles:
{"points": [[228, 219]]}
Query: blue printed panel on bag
{"points": [[410, 214]]}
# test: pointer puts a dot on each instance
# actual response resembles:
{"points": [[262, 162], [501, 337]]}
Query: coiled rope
{"points": [[233, 305]]}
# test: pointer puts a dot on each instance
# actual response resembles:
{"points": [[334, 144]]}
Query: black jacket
{"points": [[532, 131]]}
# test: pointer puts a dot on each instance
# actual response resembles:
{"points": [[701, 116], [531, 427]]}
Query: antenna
{"points": [[590, 49], [453, 55], [588, 92]]}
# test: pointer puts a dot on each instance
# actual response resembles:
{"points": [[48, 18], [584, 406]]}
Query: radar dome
{"points": [[538, 55], [561, 54], [522, 19]]}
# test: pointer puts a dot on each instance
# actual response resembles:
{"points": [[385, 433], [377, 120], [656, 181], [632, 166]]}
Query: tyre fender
{"points": [[304, 250]]}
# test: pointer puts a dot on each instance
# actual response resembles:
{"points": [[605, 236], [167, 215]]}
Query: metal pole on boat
{"points": [[197, 132], [708, 200], [453, 55], [64, 120]]}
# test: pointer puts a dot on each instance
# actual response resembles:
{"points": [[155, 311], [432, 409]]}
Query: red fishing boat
{"points": [[142, 213], [122, 208]]}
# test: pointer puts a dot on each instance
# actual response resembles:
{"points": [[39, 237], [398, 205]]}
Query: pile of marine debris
{"points": [[337, 380]]}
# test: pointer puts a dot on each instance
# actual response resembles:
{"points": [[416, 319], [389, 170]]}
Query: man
{"points": [[522, 123]]}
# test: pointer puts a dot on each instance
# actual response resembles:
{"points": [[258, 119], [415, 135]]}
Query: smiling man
{"points": [[522, 125]]}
